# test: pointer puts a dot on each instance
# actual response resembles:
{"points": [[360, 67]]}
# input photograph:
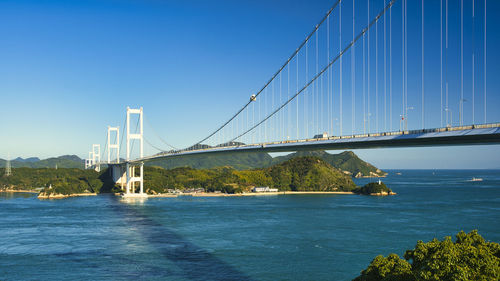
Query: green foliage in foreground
{"points": [[470, 257], [372, 188]]}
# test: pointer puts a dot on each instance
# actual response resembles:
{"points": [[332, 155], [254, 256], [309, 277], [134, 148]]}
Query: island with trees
{"points": [[300, 172], [375, 189]]}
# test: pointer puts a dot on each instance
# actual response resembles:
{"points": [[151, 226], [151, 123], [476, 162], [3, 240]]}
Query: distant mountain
{"points": [[27, 160], [346, 161], [239, 161], [65, 161]]}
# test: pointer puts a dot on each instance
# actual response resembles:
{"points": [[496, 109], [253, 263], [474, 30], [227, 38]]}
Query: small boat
{"points": [[399, 174], [476, 179]]}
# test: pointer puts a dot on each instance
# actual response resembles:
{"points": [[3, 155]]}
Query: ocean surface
{"points": [[284, 237]]}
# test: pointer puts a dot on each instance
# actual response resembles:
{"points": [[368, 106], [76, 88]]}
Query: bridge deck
{"points": [[465, 135]]}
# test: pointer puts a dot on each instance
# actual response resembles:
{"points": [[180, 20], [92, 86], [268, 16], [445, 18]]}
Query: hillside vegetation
{"points": [[239, 161], [65, 161], [61, 181], [297, 174], [346, 161]]}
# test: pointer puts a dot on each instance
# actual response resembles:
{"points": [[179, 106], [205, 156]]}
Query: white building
{"points": [[264, 189]]}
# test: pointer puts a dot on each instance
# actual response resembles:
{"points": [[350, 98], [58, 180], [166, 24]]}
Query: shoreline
{"points": [[62, 196], [208, 194], [202, 194]]}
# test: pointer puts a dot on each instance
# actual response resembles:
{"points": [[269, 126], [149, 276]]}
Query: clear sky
{"points": [[70, 68]]}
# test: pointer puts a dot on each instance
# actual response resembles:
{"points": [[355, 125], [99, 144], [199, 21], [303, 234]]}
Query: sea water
{"points": [[284, 237]]}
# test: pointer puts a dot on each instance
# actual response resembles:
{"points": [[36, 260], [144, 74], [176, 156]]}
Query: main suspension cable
{"points": [[161, 139], [323, 70], [253, 98]]}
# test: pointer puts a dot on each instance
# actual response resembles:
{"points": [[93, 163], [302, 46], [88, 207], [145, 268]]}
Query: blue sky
{"points": [[70, 68]]}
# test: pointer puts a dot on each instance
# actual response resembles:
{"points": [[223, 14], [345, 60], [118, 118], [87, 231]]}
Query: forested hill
{"points": [[239, 161], [346, 161], [297, 174], [65, 161]]}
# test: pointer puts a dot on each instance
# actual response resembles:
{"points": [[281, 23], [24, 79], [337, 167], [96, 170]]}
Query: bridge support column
{"points": [[118, 175]]}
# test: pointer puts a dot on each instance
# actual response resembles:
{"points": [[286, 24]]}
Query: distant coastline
{"points": [[19, 191], [214, 194]]}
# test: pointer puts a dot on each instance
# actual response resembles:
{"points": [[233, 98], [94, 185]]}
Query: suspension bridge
{"points": [[364, 77]]}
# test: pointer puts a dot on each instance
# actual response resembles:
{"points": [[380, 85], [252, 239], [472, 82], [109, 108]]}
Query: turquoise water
{"points": [[292, 237]]}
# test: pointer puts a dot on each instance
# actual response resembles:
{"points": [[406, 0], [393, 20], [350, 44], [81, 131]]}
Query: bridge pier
{"points": [[133, 178], [129, 176], [118, 175]]}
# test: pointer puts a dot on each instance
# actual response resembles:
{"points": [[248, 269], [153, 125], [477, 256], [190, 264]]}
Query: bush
{"points": [[468, 258]]}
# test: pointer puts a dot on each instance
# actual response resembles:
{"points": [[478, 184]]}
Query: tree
{"points": [[468, 258], [391, 268]]}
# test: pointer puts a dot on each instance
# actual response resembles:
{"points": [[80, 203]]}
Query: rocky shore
{"points": [[44, 195]]}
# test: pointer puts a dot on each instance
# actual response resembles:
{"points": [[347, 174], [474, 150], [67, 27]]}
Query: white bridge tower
{"points": [[115, 145], [8, 170], [132, 176], [88, 161], [96, 156]]}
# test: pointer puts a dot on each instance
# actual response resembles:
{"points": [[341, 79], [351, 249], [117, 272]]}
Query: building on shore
{"points": [[264, 189]]}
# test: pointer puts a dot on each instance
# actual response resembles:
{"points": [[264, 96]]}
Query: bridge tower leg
{"points": [[132, 177]]}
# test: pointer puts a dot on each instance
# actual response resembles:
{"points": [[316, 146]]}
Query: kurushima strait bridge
{"points": [[364, 77]]}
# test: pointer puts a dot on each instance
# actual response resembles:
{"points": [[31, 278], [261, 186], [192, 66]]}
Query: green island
{"points": [[469, 257], [374, 188], [298, 172]]}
